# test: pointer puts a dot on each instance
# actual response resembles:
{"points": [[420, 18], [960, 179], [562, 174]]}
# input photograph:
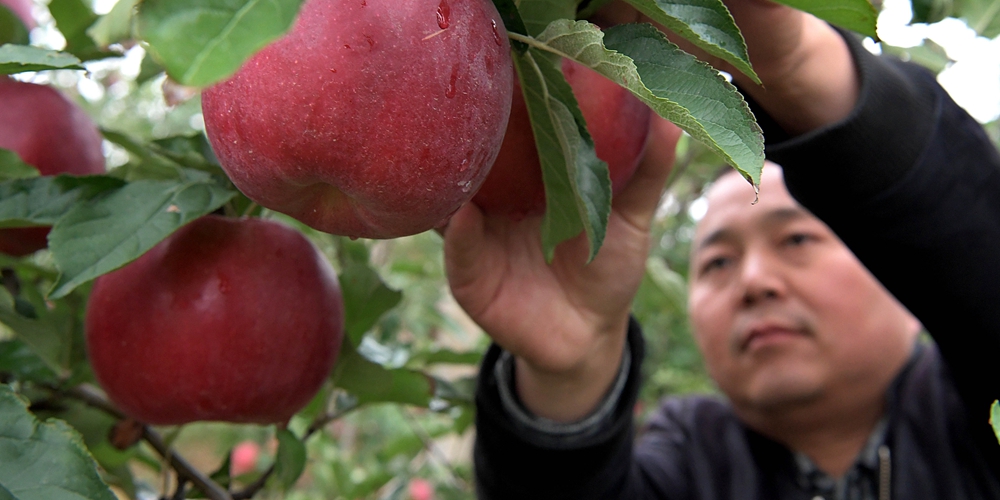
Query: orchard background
{"points": [[394, 419]]}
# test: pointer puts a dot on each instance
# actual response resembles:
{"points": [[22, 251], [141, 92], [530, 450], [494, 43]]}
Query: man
{"points": [[829, 393]]}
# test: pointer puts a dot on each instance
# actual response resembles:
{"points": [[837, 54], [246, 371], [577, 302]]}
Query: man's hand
{"points": [[565, 322], [809, 79]]}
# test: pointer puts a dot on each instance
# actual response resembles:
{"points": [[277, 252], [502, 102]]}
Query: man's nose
{"points": [[761, 277]]}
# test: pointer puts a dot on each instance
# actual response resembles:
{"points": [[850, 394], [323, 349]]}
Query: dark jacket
{"points": [[911, 184]]}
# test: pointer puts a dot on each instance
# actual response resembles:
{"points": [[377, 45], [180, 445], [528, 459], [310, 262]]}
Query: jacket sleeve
{"points": [[911, 183], [517, 458]]}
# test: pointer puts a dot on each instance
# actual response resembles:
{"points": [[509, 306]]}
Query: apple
{"points": [[21, 9], [51, 133], [244, 457], [370, 118], [236, 320], [617, 121], [420, 489]]}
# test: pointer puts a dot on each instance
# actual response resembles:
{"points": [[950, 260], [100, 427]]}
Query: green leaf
{"points": [[185, 157], [107, 232], [41, 201], [588, 8], [577, 184], [855, 15], [928, 54], [670, 283], [115, 26], [12, 29], [43, 460], [447, 356], [462, 390], [201, 42], [930, 11], [983, 16], [19, 360], [366, 297], [11, 166], [537, 14], [74, 18], [290, 461], [22, 58], [995, 418], [373, 383], [675, 84], [705, 23], [49, 337], [512, 21]]}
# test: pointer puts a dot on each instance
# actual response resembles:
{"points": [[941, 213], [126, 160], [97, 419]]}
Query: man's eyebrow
{"points": [[774, 217], [713, 238], [785, 214]]}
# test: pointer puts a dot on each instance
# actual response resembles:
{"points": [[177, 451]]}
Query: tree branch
{"points": [[89, 395]]}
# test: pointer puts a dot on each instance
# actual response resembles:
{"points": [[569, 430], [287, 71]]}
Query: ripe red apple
{"points": [[617, 121], [51, 133], [370, 118], [21, 9], [236, 320], [244, 458], [420, 489]]}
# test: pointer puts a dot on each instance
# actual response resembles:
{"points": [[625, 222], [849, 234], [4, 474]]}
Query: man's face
{"points": [[782, 310]]}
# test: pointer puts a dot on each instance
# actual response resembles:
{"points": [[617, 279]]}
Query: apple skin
{"points": [[51, 133], [617, 121], [244, 458], [370, 118], [236, 320], [21, 9]]}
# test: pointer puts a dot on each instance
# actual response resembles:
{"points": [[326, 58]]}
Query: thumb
{"points": [[471, 276]]}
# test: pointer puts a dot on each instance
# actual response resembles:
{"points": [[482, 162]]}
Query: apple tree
{"points": [[400, 392]]}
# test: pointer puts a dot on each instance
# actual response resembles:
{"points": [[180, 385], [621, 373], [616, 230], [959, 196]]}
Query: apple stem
{"points": [[185, 471], [250, 208], [534, 42]]}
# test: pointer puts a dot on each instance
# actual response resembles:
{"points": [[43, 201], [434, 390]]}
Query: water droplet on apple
{"points": [[443, 15], [466, 186], [496, 34], [452, 87]]}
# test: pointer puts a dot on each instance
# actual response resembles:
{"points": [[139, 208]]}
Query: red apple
{"points": [[21, 9], [617, 121], [420, 489], [51, 133], [244, 457], [236, 320], [370, 118]]}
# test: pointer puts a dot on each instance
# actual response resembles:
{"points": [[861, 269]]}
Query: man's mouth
{"points": [[770, 332]]}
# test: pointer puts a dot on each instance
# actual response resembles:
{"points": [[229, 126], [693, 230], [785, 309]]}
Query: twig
{"points": [[432, 448], [183, 468], [318, 423], [255, 486], [181, 492], [185, 471], [325, 418]]}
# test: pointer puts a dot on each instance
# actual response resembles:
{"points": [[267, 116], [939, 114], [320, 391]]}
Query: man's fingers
{"points": [[464, 237], [638, 201]]}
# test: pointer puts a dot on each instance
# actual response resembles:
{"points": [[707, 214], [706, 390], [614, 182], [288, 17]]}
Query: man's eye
{"points": [[796, 239], [714, 264]]}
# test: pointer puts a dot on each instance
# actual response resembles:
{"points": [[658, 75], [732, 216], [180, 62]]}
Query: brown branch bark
{"points": [[89, 395]]}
